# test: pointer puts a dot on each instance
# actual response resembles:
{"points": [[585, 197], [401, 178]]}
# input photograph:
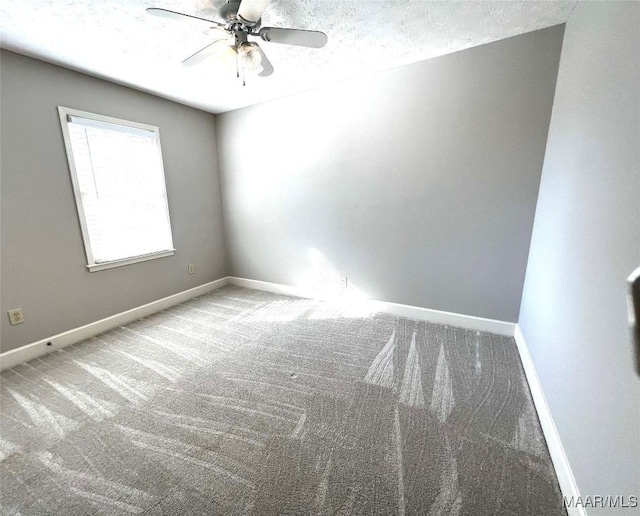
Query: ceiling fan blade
{"points": [[267, 67], [204, 53], [250, 11], [173, 15], [300, 38]]}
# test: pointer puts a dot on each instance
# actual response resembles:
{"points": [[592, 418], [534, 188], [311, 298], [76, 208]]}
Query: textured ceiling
{"points": [[116, 40]]}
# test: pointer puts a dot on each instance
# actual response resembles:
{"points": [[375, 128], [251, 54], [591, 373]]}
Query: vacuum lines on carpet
{"points": [[246, 402]]}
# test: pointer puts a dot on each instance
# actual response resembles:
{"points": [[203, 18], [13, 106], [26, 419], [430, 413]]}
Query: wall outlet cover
{"points": [[16, 316]]}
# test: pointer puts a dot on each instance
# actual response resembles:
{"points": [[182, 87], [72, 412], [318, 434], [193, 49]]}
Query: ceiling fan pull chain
{"points": [[237, 59]]}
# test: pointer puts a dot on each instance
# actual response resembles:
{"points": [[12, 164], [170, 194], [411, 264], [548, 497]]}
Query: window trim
{"points": [[92, 266], [128, 261]]}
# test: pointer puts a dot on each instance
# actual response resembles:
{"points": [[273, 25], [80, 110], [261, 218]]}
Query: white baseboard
{"points": [[411, 312], [566, 479], [14, 357], [42, 347]]}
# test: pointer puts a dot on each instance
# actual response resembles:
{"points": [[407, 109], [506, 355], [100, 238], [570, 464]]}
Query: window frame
{"points": [[92, 266]]}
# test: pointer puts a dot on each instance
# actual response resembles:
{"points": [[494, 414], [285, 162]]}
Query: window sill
{"points": [[94, 267]]}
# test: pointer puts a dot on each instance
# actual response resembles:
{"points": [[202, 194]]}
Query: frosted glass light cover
{"points": [[251, 10], [251, 58]]}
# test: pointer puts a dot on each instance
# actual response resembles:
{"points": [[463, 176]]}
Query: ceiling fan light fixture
{"points": [[227, 56], [250, 57], [250, 11]]}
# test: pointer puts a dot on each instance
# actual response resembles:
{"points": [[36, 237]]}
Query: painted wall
{"points": [[419, 184], [43, 259], [586, 241]]}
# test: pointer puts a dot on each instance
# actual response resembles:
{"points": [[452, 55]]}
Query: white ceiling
{"points": [[117, 41]]}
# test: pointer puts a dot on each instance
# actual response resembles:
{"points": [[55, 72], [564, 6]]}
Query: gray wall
{"points": [[419, 184], [43, 259], [586, 241]]}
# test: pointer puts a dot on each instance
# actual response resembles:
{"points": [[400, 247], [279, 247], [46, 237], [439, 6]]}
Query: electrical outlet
{"points": [[191, 268], [343, 282], [16, 316]]}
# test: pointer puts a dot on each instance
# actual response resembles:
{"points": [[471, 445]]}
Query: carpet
{"points": [[246, 402]]}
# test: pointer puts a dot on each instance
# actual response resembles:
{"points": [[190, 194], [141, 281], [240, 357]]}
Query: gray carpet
{"points": [[244, 402]]}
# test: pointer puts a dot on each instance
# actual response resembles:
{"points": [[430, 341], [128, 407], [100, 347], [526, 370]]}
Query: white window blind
{"points": [[118, 178]]}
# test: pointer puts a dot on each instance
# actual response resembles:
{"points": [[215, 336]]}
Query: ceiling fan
{"points": [[241, 20]]}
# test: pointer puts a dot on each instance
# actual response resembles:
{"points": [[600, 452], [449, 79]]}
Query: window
{"points": [[118, 181]]}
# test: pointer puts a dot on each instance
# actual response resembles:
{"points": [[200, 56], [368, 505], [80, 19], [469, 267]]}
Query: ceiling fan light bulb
{"points": [[226, 56]]}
